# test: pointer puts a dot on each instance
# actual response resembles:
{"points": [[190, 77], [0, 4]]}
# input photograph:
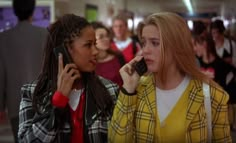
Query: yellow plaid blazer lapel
{"points": [[146, 110], [196, 99], [148, 87]]}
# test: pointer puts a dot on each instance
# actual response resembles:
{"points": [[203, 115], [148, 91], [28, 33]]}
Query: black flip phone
{"points": [[66, 56], [140, 67]]}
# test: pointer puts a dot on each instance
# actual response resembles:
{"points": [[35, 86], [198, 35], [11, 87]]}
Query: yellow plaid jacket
{"points": [[134, 117]]}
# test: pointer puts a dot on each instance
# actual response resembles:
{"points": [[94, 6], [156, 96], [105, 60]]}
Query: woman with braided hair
{"points": [[68, 102]]}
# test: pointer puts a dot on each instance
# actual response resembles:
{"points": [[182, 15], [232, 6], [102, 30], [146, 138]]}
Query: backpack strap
{"points": [[134, 46], [207, 104], [121, 59]]}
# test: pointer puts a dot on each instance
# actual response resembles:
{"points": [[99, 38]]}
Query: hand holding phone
{"points": [[128, 75], [140, 67], [66, 56]]}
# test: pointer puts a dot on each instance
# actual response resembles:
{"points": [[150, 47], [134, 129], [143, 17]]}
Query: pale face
{"points": [[150, 40], [151, 43], [83, 51], [103, 40], [119, 28], [200, 48], [215, 34]]}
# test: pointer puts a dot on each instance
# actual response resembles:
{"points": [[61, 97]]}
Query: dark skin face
{"points": [[83, 50], [83, 53]]}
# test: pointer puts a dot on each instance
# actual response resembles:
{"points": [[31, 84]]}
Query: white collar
{"points": [[122, 44], [74, 98]]}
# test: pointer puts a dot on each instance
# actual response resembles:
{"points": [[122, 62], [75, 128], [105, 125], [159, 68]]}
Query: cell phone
{"points": [[140, 67], [63, 50]]}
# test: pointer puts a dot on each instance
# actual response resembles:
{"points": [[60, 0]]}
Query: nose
{"points": [[94, 49], [145, 49]]}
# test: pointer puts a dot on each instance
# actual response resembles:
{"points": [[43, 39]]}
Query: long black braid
{"points": [[63, 31]]}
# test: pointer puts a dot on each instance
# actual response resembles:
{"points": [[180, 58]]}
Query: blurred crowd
{"points": [[24, 60]]}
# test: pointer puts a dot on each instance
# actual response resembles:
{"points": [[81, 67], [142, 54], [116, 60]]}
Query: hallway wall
{"points": [[78, 7]]}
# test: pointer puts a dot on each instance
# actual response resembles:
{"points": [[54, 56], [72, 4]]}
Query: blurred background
{"points": [[47, 11]]}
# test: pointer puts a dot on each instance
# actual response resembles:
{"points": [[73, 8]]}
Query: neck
{"points": [[103, 56], [173, 79], [219, 42], [123, 38], [208, 59], [30, 19], [78, 84]]}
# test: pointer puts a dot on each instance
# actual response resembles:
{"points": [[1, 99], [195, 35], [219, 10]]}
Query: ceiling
{"points": [[226, 8]]}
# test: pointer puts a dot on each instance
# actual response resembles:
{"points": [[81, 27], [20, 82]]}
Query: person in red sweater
{"points": [[109, 61], [122, 41], [68, 103]]}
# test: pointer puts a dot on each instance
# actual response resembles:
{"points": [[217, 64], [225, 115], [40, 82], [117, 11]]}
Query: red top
{"points": [[59, 100], [127, 52], [110, 70]]}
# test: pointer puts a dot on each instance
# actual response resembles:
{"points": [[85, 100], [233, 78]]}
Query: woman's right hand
{"points": [[129, 76], [66, 76]]}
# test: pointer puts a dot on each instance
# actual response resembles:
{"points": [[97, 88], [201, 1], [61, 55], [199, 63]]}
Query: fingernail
{"points": [[59, 55]]}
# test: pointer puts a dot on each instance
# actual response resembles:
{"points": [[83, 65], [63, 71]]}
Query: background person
{"points": [[21, 51], [225, 47], [121, 40], [109, 61]]}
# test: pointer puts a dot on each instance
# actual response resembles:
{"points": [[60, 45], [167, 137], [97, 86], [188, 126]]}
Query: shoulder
{"points": [[41, 30], [146, 82], [28, 89], [218, 94], [229, 40], [26, 26], [111, 86]]}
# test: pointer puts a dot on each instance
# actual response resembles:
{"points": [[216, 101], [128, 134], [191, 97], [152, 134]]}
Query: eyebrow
{"points": [[157, 39], [89, 41], [152, 38]]}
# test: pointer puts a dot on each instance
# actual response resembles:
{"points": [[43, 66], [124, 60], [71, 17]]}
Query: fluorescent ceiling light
{"points": [[189, 6], [190, 24]]}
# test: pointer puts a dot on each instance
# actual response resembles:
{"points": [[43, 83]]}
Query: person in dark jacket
{"points": [[21, 52]]}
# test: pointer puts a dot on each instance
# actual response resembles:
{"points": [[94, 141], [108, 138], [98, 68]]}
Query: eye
{"points": [[143, 43], [88, 45], [155, 43]]}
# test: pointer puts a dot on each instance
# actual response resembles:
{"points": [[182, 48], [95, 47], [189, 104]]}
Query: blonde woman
{"points": [[167, 105]]}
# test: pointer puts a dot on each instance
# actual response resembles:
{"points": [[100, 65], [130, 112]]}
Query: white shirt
{"points": [[226, 46], [74, 98], [121, 45], [167, 99]]}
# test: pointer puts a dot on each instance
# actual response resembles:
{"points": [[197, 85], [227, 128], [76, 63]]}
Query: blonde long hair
{"points": [[175, 37]]}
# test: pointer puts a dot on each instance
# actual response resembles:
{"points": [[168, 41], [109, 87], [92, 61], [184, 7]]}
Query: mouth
{"points": [[94, 61], [148, 61]]}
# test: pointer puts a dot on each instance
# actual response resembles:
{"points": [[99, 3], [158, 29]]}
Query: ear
{"points": [[70, 49]]}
